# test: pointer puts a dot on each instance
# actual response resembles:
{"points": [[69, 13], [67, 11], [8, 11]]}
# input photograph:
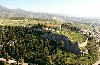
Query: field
{"points": [[25, 22]]}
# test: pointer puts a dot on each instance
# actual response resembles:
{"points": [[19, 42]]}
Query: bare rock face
{"points": [[83, 44]]}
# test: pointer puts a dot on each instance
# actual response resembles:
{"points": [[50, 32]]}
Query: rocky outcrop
{"points": [[83, 44]]}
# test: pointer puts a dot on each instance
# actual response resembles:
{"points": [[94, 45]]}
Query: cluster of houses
{"points": [[92, 33]]}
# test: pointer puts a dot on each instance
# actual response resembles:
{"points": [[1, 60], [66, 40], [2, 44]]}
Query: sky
{"points": [[79, 8]]}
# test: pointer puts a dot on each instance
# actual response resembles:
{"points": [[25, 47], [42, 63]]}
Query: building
{"points": [[58, 26]]}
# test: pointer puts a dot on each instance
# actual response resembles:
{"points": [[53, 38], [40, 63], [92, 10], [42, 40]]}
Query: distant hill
{"points": [[6, 13]]}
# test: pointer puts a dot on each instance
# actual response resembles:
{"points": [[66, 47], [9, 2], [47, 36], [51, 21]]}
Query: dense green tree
{"points": [[26, 43]]}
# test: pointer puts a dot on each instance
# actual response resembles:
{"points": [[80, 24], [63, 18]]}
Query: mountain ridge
{"points": [[7, 13]]}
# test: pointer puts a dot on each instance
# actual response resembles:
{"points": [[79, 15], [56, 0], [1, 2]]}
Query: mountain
{"points": [[6, 13]]}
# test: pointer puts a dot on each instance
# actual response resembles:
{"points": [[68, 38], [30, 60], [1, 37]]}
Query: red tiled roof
{"points": [[53, 25]]}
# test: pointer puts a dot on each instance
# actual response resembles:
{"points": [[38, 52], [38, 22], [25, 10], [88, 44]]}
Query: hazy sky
{"points": [[83, 8]]}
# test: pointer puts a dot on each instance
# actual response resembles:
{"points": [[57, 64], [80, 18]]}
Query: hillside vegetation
{"points": [[24, 43]]}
